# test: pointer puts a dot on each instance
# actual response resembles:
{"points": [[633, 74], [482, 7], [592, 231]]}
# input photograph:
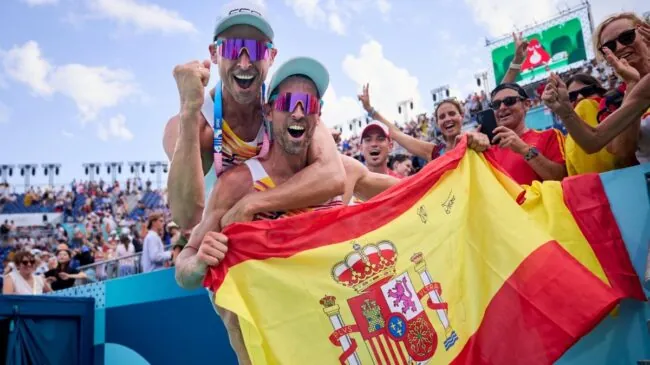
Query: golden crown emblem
{"points": [[366, 266]]}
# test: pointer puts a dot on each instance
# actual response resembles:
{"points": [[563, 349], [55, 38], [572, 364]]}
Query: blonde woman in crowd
{"points": [[624, 41]]}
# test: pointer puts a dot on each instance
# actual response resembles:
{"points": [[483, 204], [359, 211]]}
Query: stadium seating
{"points": [[18, 207]]}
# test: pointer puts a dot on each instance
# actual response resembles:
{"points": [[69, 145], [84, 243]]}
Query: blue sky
{"points": [[91, 80]]}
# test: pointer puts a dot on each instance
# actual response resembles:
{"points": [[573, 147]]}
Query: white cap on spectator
{"points": [[375, 125]]}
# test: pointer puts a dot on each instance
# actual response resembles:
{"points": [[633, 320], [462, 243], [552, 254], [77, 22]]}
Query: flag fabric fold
{"points": [[454, 265]]}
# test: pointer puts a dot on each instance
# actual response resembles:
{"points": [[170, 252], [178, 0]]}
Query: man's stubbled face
{"points": [[294, 130]]}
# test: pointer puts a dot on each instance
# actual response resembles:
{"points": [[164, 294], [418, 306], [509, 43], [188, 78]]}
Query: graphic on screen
{"points": [[558, 46]]}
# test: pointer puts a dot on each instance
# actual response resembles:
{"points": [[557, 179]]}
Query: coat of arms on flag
{"points": [[388, 310]]}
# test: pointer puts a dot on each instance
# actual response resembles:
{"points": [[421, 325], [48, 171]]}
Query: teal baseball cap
{"points": [[243, 13], [301, 66]]}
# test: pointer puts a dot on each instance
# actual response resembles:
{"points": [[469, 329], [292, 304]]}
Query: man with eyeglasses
{"points": [[223, 127], [294, 107], [525, 154]]}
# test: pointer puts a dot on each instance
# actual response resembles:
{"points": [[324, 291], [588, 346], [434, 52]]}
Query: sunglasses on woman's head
{"points": [[625, 38], [586, 92], [29, 262], [507, 101]]}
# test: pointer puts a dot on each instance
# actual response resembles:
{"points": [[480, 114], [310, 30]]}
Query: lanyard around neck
{"points": [[218, 130]]}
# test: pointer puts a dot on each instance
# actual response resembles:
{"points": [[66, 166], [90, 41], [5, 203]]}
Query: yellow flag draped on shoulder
{"points": [[449, 266]]}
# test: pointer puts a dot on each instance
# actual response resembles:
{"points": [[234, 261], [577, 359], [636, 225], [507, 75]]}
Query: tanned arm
{"points": [[231, 187], [624, 145], [323, 179], [186, 134], [547, 169], [414, 146], [190, 142], [521, 48], [366, 184], [593, 139]]}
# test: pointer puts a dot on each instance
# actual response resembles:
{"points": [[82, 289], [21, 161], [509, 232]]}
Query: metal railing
{"points": [[113, 268]]}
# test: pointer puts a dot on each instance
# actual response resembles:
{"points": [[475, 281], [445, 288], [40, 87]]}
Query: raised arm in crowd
{"points": [[449, 117]]}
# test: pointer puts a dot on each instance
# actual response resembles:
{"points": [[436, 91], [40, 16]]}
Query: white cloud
{"points": [[501, 17], [116, 128], [93, 89], [142, 15], [66, 134], [308, 10], [40, 2], [335, 14], [389, 83], [339, 110], [27, 65], [5, 113]]}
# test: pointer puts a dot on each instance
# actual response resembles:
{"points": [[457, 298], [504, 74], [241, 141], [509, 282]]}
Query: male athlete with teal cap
{"points": [[221, 128], [294, 104]]}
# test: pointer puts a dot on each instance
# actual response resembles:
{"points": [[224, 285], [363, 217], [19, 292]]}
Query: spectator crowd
{"points": [[425, 128], [104, 228]]}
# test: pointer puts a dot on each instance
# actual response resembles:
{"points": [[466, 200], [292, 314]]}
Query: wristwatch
{"points": [[531, 154]]}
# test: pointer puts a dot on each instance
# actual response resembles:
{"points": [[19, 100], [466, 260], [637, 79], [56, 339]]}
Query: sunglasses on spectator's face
{"points": [[29, 262], [586, 92], [507, 101], [288, 102], [231, 48], [625, 38]]}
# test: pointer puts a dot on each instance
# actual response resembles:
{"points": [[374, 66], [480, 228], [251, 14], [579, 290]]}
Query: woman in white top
{"points": [[22, 281], [125, 248]]}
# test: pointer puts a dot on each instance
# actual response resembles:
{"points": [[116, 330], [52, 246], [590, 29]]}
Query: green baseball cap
{"points": [[301, 66], [243, 13]]}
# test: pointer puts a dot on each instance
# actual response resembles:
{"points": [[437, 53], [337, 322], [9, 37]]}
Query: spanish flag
{"points": [[455, 265]]}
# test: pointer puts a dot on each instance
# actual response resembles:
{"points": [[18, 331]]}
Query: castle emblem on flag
{"points": [[388, 312]]}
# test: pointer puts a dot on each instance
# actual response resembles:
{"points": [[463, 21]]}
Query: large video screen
{"points": [[560, 45]]}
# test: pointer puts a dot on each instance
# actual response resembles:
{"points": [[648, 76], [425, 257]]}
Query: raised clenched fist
{"points": [[556, 95], [191, 80], [213, 249]]}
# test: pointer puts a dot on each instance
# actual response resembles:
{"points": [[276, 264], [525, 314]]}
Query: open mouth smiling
{"points": [[296, 131], [244, 81]]}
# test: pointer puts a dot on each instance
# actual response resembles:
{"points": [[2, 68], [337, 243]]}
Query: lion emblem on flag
{"points": [[388, 311]]}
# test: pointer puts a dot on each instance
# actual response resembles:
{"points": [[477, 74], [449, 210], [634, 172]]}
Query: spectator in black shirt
{"points": [[63, 276]]}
